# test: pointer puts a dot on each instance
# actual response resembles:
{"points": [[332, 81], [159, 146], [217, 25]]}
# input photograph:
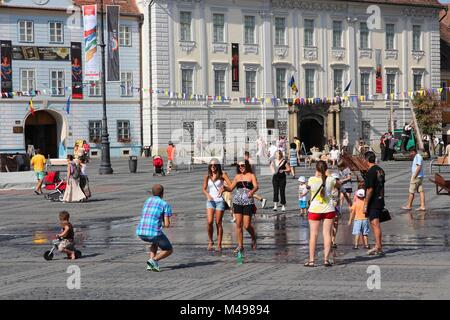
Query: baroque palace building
{"points": [[227, 65]]}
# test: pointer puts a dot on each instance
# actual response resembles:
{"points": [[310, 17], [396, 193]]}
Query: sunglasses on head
{"points": [[242, 166]]}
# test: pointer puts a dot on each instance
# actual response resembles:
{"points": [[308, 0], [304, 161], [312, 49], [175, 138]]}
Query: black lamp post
{"points": [[105, 165]]}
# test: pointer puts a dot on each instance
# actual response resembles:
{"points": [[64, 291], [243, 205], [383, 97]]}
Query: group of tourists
{"points": [[321, 197]]}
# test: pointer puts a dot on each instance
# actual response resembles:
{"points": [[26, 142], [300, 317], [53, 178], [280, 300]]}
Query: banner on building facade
{"points": [[112, 16], [235, 66], [92, 71], [6, 66], [40, 53], [379, 77], [77, 70]]}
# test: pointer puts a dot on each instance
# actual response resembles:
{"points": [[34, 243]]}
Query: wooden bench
{"points": [[439, 163], [441, 184]]}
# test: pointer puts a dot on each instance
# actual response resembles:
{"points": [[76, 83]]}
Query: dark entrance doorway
{"points": [[311, 134], [41, 132]]}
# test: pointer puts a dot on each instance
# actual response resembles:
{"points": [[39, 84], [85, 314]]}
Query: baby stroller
{"points": [[158, 165], [56, 185]]}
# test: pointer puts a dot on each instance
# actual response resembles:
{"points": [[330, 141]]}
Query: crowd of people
{"points": [[321, 198]]}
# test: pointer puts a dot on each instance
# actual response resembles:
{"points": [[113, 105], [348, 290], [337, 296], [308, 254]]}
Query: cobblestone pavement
{"points": [[417, 264]]}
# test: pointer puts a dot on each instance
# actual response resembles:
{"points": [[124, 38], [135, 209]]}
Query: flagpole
{"points": [[105, 165]]}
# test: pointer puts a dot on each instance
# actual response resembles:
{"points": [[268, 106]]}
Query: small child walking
{"points": [[303, 192], [67, 234], [361, 223]]}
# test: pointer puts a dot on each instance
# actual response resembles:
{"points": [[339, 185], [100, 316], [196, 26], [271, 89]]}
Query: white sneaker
{"points": [[283, 208], [275, 207], [263, 203]]}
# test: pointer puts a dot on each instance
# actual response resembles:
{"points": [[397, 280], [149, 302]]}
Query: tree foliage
{"points": [[428, 113]]}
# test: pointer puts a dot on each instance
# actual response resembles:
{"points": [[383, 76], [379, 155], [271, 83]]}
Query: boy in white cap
{"points": [[302, 195], [361, 224]]}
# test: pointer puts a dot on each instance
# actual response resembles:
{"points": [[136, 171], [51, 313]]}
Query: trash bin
{"points": [[132, 163]]}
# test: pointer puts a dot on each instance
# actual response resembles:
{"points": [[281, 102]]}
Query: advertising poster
{"points": [[112, 17], [92, 70], [235, 66], [77, 70], [6, 66]]}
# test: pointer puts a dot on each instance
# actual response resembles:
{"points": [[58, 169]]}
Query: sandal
{"points": [[211, 246], [238, 249], [367, 247], [334, 245], [356, 248], [327, 264], [309, 264]]}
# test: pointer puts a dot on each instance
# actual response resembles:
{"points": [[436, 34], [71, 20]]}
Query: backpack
{"points": [[76, 171]]}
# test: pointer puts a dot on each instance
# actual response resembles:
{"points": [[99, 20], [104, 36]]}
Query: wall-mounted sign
{"points": [[235, 66], [18, 129], [41, 53], [6, 66]]}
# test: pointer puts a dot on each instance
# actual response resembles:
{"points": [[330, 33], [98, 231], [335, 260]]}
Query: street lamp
{"points": [[105, 165]]}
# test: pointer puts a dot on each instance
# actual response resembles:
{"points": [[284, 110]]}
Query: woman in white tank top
{"points": [[215, 204]]}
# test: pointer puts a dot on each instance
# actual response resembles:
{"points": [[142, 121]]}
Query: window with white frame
{"points": [[252, 130], [126, 84], [337, 34], [188, 131], [56, 32], [95, 89], [187, 81], [27, 80], [417, 36], [280, 31], [95, 131], [309, 32], [185, 26], [282, 128], [281, 83], [219, 82], [26, 31], [125, 36], [250, 84], [390, 83], [57, 82], [310, 89], [363, 36], [390, 36], [417, 85], [365, 130], [249, 29], [221, 126], [365, 83], [338, 75], [219, 27], [123, 131]]}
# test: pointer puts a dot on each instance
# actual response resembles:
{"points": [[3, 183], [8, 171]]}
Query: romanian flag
{"points": [[31, 107], [293, 85]]}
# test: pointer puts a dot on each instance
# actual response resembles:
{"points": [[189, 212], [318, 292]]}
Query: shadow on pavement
{"points": [[371, 258], [191, 265]]}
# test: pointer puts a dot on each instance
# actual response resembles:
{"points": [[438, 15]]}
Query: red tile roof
{"points": [[126, 6], [445, 25]]}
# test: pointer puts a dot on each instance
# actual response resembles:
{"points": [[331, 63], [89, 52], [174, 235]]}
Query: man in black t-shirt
{"points": [[374, 202]]}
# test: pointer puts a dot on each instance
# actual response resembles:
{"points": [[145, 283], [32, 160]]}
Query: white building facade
{"points": [[322, 44], [33, 26]]}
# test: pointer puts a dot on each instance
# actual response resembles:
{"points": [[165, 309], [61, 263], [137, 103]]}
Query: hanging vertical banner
{"points": [[379, 78], [235, 66], [77, 70], [112, 16], [92, 71], [6, 67]]}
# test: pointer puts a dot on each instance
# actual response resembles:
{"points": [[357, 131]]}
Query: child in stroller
{"points": [[56, 185], [158, 165]]}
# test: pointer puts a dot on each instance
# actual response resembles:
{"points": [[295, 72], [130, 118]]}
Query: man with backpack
{"points": [[374, 201]]}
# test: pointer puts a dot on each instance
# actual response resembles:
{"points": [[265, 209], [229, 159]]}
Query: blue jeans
{"points": [[216, 205], [161, 241]]}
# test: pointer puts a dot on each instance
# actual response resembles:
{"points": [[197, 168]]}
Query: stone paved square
{"points": [[416, 265]]}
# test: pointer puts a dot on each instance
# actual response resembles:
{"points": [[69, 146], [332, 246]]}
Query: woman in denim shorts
{"points": [[215, 204]]}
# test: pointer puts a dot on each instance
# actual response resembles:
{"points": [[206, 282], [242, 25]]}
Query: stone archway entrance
{"points": [[311, 133], [41, 132]]}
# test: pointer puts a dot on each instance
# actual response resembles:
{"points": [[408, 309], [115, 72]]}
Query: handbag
{"points": [[385, 215]]}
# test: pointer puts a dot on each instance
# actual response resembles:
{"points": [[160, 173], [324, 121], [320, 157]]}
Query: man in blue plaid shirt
{"points": [[156, 214]]}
